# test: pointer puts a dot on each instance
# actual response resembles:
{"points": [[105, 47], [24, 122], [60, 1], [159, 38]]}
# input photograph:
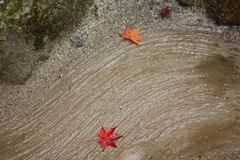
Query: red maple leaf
{"points": [[131, 34], [165, 12], [107, 138]]}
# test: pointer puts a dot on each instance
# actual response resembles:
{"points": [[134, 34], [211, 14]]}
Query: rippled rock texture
{"points": [[175, 96]]}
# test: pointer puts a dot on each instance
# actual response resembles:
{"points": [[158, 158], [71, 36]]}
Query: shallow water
{"points": [[175, 96]]}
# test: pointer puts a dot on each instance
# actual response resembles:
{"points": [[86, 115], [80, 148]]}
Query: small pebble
{"points": [[78, 41]]}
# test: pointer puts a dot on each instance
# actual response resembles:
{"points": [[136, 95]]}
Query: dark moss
{"points": [[41, 18], [223, 12], [38, 21], [5, 62], [49, 18]]}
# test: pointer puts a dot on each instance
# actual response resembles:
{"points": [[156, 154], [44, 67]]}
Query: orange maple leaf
{"points": [[132, 34]]}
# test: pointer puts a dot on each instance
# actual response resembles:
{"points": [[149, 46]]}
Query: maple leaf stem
{"points": [[92, 140]]}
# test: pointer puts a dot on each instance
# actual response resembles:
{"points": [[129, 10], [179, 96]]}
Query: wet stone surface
{"points": [[174, 96]]}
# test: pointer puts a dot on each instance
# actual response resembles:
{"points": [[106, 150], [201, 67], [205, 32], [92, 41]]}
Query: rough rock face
{"points": [[27, 27], [175, 96]]}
